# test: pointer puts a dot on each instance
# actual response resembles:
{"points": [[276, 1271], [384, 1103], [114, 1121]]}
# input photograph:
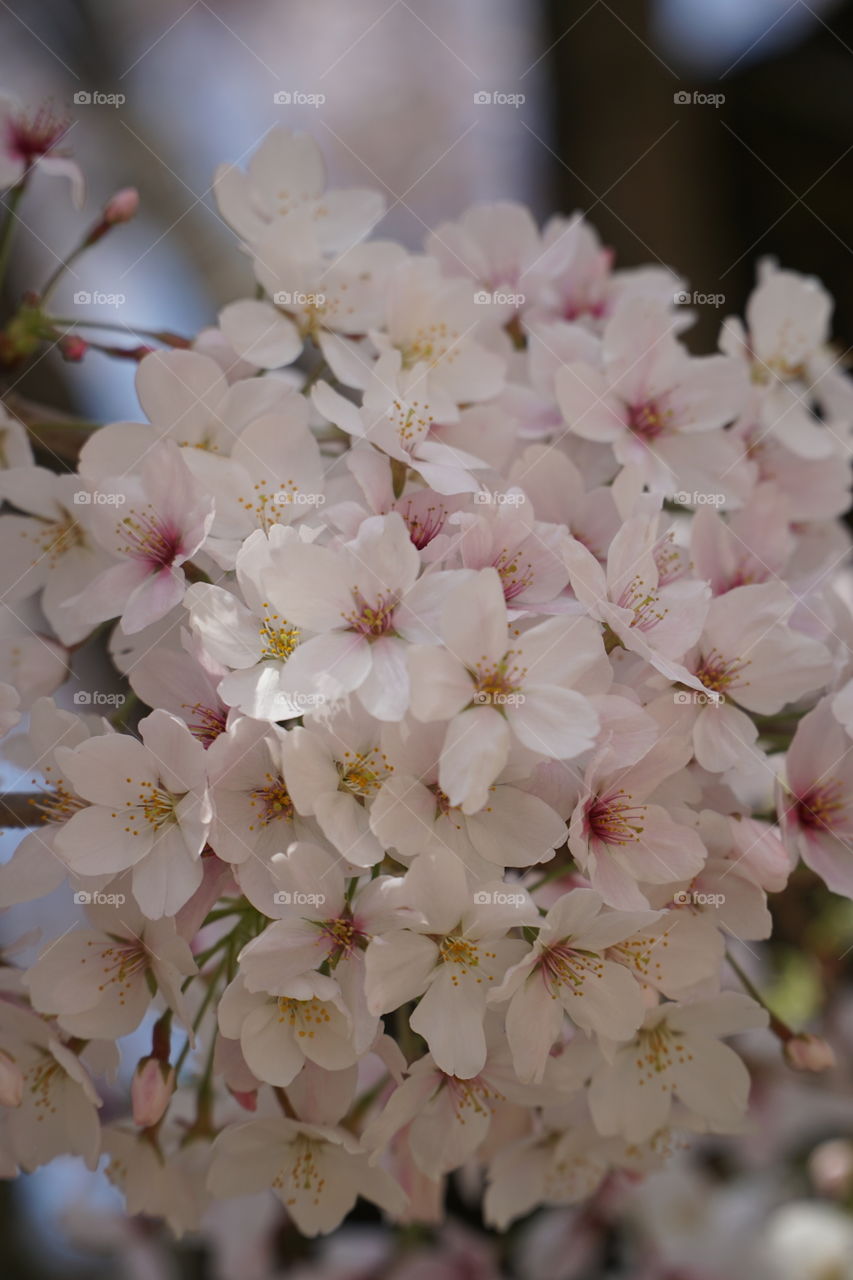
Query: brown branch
{"points": [[18, 809], [56, 433]]}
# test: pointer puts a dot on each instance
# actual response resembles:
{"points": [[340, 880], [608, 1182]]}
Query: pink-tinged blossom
{"points": [[400, 408], [647, 613], [49, 547], [621, 838], [253, 814], [816, 804], [317, 1171], [493, 684], [58, 1111], [367, 606], [661, 409], [410, 813], [277, 1033], [154, 525], [96, 981], [335, 768], [748, 659], [319, 923], [677, 1054], [432, 321], [454, 949], [784, 345], [33, 139], [148, 810], [566, 972], [287, 173]]}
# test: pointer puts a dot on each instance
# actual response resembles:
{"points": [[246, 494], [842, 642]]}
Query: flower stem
{"points": [[777, 1026], [9, 225]]}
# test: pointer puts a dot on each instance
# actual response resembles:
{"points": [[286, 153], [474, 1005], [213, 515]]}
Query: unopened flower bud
{"points": [[72, 348], [11, 1082], [831, 1168], [152, 1086], [248, 1099], [122, 206], [809, 1053]]}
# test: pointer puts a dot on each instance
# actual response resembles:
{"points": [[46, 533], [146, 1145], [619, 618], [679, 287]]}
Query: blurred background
{"points": [[702, 134]]}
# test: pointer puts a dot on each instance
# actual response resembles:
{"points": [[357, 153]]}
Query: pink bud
{"points": [[122, 206], [11, 1082], [831, 1167], [152, 1086], [248, 1099], [73, 348], [809, 1053]]}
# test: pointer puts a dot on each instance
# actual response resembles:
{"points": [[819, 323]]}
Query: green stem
{"points": [[777, 1026], [59, 270], [562, 869], [9, 225], [202, 1010], [81, 322]]}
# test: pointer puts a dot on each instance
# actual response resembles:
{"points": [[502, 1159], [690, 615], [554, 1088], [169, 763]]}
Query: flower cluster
{"points": [[472, 618]]}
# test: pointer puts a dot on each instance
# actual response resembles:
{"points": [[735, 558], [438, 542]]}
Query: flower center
{"points": [[53, 538], [718, 673], [614, 819], [157, 806], [273, 800], [648, 421], [515, 576], [209, 721], [363, 772], [562, 966], [150, 539], [58, 804], [119, 965], [658, 1049], [465, 955], [819, 809], [302, 1174], [30, 136], [500, 683], [423, 526], [278, 637], [372, 620], [643, 603], [410, 421], [304, 1016], [429, 343], [476, 1096]]}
